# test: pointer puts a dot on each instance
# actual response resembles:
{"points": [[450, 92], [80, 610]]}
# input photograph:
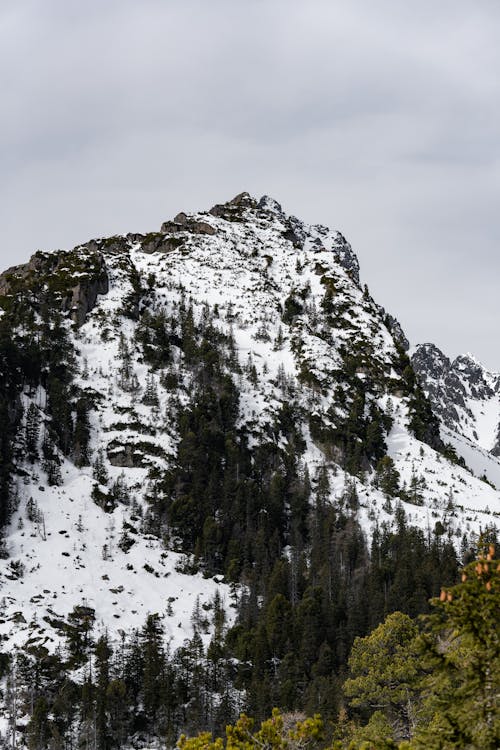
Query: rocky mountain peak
{"points": [[234, 209], [463, 393], [266, 203], [428, 359]]}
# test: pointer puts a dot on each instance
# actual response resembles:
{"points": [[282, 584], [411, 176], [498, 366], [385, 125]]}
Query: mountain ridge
{"points": [[464, 394]]}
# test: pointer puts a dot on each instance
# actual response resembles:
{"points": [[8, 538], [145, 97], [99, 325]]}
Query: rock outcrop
{"points": [[70, 280]]}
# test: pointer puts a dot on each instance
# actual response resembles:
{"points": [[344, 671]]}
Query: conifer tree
{"points": [[32, 432], [153, 662], [82, 433], [150, 397], [38, 727], [462, 643], [120, 492], [51, 462], [385, 671], [387, 477], [100, 472], [103, 654]]}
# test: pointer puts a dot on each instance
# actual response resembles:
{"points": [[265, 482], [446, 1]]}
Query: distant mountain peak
{"points": [[463, 392]]}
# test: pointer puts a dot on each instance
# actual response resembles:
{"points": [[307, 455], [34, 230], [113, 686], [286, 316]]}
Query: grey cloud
{"points": [[378, 118]]}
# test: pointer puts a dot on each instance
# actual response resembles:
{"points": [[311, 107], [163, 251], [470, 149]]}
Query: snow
{"points": [[486, 414], [66, 566], [478, 459]]}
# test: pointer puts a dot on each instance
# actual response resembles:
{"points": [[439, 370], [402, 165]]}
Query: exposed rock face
{"points": [[342, 250], [123, 456], [463, 394], [72, 280], [159, 243], [182, 223], [474, 375], [84, 297], [395, 328], [346, 256], [441, 383], [233, 210], [266, 203], [130, 455]]}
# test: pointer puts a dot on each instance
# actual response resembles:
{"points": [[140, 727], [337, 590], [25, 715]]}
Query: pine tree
{"points": [[103, 654], [462, 645], [387, 477], [32, 432], [385, 672], [276, 733], [78, 633], [38, 727], [51, 462], [120, 492], [82, 433], [150, 397], [117, 703], [153, 663], [100, 472]]}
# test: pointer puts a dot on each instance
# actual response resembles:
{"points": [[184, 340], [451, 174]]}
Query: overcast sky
{"points": [[381, 119]]}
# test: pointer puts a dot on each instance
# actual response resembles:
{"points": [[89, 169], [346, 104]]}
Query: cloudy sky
{"points": [[381, 119]]}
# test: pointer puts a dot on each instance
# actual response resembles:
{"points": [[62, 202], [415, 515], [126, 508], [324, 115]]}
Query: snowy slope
{"points": [[288, 294], [481, 462]]}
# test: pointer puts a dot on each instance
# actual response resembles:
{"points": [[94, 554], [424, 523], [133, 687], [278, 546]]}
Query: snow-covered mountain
{"points": [[320, 370], [466, 397]]}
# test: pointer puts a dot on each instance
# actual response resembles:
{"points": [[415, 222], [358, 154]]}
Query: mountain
{"points": [[211, 431], [466, 397]]}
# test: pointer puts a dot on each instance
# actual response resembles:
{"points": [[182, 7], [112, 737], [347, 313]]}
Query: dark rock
{"points": [[122, 456], [192, 226], [234, 209], [48, 277], [181, 218], [397, 332], [84, 297], [159, 243], [346, 256], [133, 455]]}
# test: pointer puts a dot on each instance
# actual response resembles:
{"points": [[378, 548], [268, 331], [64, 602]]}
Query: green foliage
{"points": [[462, 646], [38, 727], [36, 351], [79, 633], [423, 422], [273, 734], [311, 588], [387, 477], [385, 672], [100, 472], [156, 334], [378, 733]]}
